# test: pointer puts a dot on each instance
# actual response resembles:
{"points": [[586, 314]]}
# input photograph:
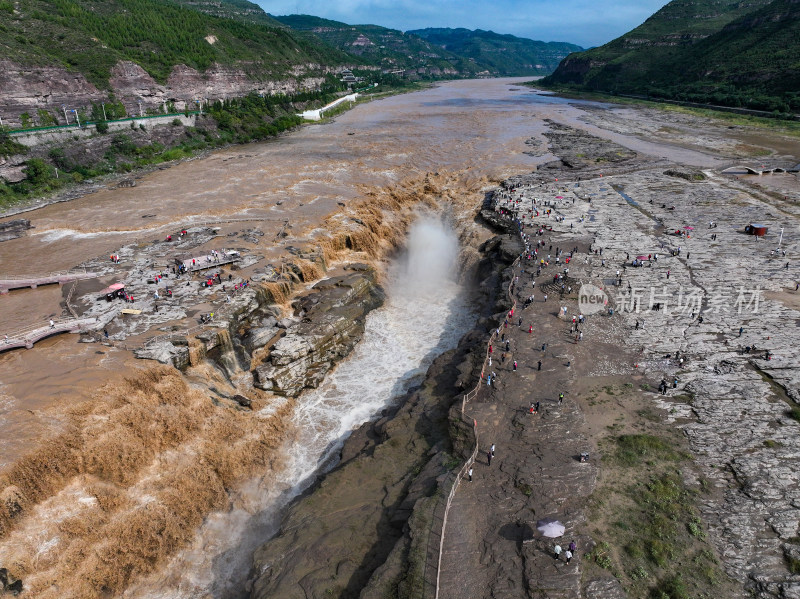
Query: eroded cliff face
{"points": [[29, 89], [333, 317]]}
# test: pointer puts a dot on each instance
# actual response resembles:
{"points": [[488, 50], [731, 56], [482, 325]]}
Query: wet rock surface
{"points": [[578, 149], [333, 316], [14, 228]]}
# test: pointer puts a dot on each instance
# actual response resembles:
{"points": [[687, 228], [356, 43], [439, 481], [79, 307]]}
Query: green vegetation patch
{"points": [[92, 37], [9, 147], [794, 413], [648, 531], [633, 450], [740, 55]]}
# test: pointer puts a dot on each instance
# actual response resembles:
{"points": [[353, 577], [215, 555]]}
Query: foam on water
{"points": [[425, 313]]}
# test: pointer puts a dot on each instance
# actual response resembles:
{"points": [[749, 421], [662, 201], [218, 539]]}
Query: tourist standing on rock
{"points": [[557, 551], [491, 449], [572, 546], [568, 555], [469, 473], [488, 458], [515, 365], [539, 365], [560, 398]]}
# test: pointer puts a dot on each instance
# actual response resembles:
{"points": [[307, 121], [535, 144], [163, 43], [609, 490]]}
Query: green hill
{"points": [[378, 46], [727, 53], [90, 37], [502, 54]]}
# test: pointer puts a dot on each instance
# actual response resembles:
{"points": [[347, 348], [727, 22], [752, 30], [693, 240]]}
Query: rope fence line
{"points": [[69, 297], [464, 401]]}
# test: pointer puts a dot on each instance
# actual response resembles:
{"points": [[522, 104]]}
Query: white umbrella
{"points": [[550, 527]]}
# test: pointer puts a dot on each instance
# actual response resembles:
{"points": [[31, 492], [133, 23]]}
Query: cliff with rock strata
{"points": [[28, 90]]}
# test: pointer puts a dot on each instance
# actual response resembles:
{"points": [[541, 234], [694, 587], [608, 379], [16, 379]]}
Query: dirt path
{"points": [[492, 548]]}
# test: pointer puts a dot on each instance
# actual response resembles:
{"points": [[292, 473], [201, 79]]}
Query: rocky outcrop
{"points": [[14, 228], [174, 351], [332, 323], [388, 469], [26, 89], [131, 84]]}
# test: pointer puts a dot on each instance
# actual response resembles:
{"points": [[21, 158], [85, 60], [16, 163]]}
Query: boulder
{"points": [[165, 352], [333, 322], [261, 337], [14, 228]]}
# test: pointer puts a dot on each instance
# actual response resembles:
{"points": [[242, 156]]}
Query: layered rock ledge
{"points": [[332, 322]]}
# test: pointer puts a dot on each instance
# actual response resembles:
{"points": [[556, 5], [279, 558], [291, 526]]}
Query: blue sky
{"points": [[583, 22]]}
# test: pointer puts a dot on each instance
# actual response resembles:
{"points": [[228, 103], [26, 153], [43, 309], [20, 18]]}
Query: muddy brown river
{"points": [[472, 132]]}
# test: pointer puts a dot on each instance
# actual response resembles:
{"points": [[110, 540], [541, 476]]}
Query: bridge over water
{"points": [[27, 337], [33, 281], [316, 115]]}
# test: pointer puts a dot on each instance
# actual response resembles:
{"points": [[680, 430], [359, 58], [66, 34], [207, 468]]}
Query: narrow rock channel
{"points": [[425, 313]]}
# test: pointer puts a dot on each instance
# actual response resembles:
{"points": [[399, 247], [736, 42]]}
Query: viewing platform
{"points": [[207, 261]]}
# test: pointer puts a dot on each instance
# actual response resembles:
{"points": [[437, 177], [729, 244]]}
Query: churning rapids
{"points": [[425, 313]]}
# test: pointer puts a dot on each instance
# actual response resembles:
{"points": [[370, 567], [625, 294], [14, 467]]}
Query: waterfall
{"points": [[425, 314]]}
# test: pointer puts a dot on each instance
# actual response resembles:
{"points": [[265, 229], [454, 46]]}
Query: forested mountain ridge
{"points": [[58, 55], [729, 53], [503, 54], [91, 37], [389, 49]]}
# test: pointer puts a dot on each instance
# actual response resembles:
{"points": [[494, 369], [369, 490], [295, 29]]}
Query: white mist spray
{"points": [[425, 314], [429, 260]]}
